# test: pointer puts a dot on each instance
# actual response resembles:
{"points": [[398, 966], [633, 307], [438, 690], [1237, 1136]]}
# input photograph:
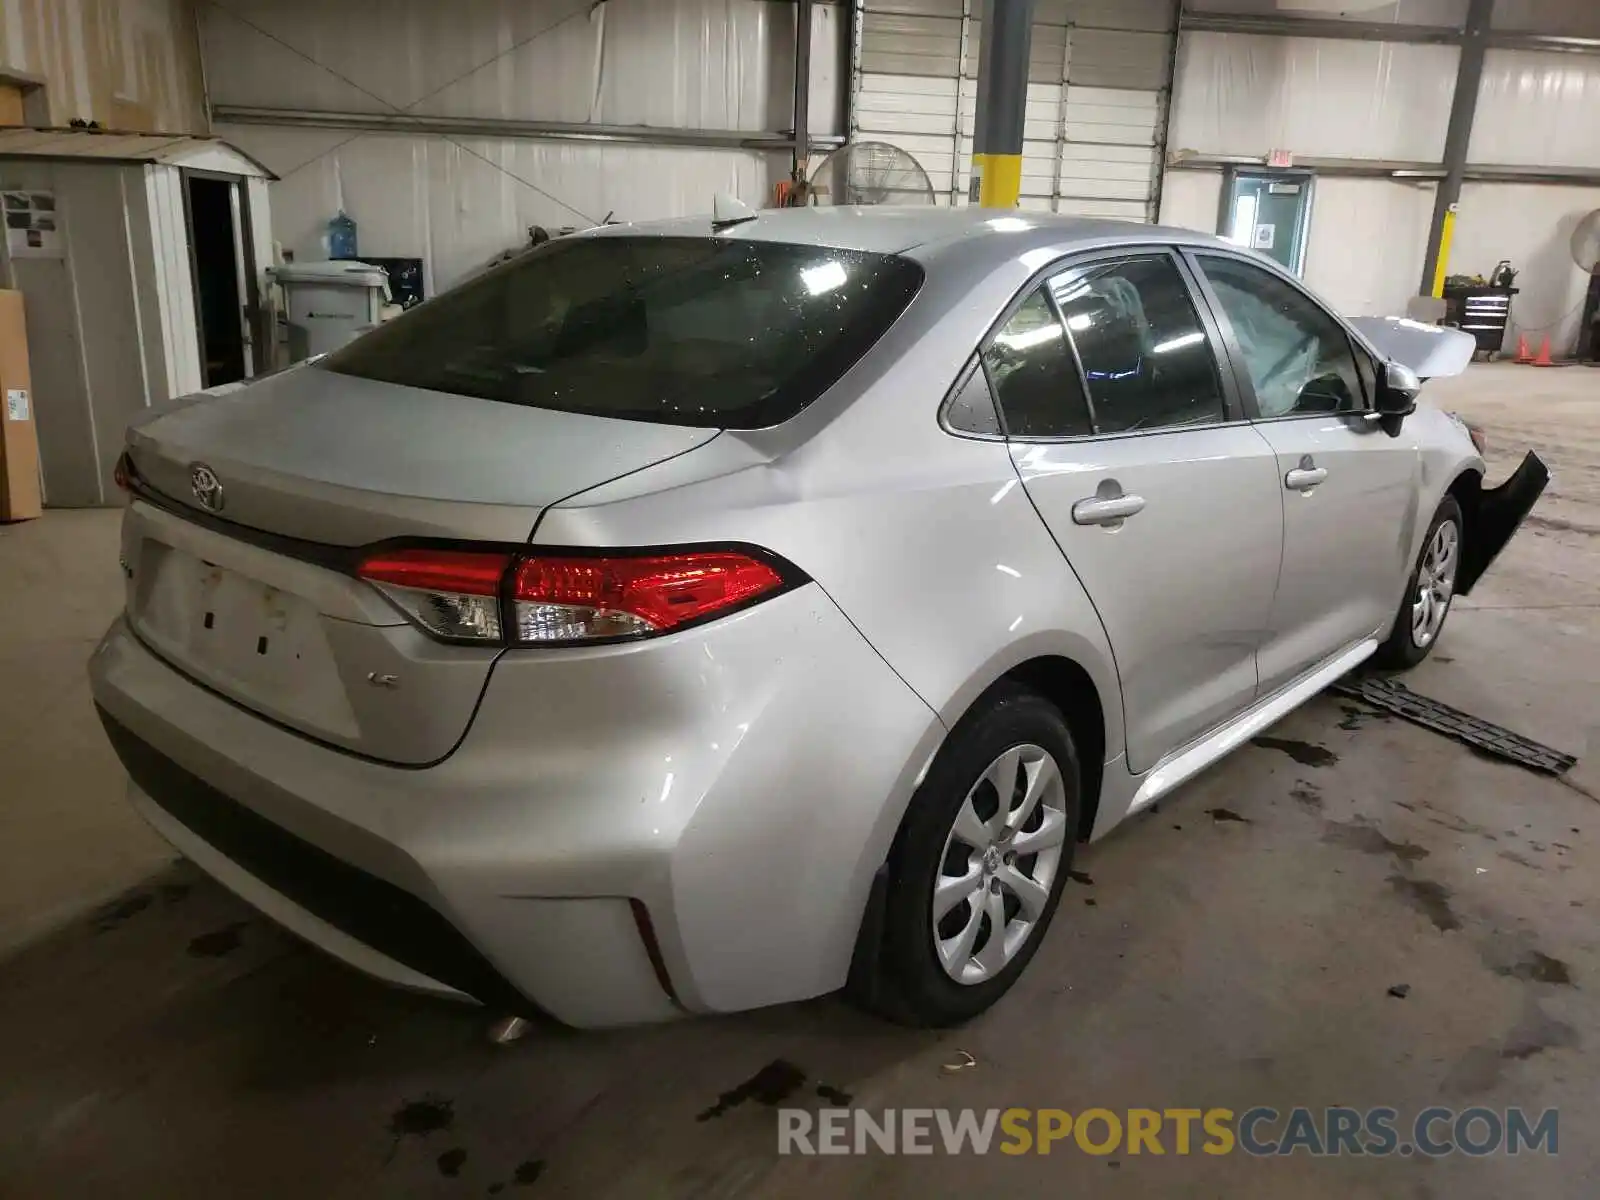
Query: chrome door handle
{"points": [[1303, 479], [1108, 510]]}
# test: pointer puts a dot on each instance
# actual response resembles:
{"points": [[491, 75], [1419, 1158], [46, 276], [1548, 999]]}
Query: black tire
{"points": [[904, 980], [1401, 650]]}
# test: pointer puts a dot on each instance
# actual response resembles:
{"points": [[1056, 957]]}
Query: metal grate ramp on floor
{"points": [[1393, 696]]}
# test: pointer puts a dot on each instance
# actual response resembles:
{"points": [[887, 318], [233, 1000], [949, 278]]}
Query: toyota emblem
{"points": [[206, 486]]}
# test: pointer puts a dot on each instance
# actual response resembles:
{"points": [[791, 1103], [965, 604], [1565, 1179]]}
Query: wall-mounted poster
{"points": [[33, 227]]}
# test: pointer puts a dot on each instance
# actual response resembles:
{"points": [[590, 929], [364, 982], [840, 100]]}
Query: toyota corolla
{"points": [[704, 615]]}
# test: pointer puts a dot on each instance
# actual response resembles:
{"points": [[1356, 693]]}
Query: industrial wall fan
{"points": [[1586, 253], [1586, 243], [870, 173]]}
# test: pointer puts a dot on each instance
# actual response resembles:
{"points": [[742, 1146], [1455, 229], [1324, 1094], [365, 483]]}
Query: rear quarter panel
{"points": [[935, 554], [925, 540]]}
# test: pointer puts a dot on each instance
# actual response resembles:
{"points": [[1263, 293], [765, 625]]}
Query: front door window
{"points": [[1298, 356]]}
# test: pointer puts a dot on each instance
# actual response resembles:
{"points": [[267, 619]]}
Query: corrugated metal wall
{"points": [[1098, 76], [458, 201], [1368, 239], [1538, 109], [1532, 225], [1571, 18], [129, 64], [1535, 109], [1243, 95]]}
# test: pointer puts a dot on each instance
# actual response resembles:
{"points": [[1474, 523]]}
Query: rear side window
{"points": [[1033, 374], [971, 405], [683, 331]]}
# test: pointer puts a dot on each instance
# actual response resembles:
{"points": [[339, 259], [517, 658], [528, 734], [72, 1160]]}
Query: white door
{"points": [[1161, 497], [245, 277], [1349, 489]]}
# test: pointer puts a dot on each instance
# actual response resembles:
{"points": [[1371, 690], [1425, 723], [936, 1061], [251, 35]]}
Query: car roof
{"points": [[897, 229]]}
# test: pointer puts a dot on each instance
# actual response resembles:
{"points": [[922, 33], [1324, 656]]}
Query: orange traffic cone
{"points": [[1544, 353], [1524, 355]]}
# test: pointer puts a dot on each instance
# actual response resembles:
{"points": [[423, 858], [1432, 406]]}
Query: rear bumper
{"points": [[358, 917], [739, 784]]}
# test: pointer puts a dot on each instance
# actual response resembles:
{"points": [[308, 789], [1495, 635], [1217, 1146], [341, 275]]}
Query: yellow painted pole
{"points": [[1000, 179], [1001, 103], [1446, 233]]}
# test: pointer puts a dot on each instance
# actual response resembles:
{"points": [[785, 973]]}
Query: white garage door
{"points": [[1099, 76]]}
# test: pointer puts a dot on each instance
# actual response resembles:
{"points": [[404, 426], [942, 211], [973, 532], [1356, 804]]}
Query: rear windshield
{"points": [[683, 331]]}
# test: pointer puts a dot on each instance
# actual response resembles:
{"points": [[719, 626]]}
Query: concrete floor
{"points": [[168, 1043]]}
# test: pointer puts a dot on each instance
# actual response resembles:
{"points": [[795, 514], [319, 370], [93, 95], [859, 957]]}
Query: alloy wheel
{"points": [[999, 864], [1436, 582]]}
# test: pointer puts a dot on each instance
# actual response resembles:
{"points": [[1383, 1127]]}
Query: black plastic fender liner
{"points": [[1500, 512], [862, 982]]}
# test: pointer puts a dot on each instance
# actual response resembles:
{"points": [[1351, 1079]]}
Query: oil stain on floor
{"points": [[1430, 899], [771, 1086], [1304, 753], [1369, 839], [431, 1113], [219, 943]]}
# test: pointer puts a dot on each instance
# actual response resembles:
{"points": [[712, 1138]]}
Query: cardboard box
{"points": [[19, 436]]}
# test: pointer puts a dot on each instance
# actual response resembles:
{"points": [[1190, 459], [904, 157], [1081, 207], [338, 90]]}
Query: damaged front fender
{"points": [[1496, 513]]}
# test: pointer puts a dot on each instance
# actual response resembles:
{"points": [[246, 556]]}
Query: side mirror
{"points": [[1398, 388]]}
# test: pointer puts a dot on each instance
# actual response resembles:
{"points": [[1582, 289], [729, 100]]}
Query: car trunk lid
{"points": [[244, 579], [346, 461]]}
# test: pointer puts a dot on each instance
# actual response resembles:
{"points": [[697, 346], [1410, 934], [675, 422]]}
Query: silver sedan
{"points": [[690, 617]]}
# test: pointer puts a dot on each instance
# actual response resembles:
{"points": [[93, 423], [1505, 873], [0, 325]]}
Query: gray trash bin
{"points": [[330, 303]]}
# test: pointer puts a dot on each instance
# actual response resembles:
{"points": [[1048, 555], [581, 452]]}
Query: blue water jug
{"points": [[342, 236]]}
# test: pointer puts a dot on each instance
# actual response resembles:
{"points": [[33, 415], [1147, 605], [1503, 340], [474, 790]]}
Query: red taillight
{"points": [[585, 599], [566, 599], [463, 572], [122, 473], [453, 594]]}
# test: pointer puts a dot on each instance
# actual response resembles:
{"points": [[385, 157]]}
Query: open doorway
{"points": [[1269, 211], [216, 245]]}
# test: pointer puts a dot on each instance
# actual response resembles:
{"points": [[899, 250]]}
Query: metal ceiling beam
{"points": [[1347, 167], [489, 127], [1400, 170], [1544, 41], [1316, 27], [1286, 25], [1495, 173]]}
